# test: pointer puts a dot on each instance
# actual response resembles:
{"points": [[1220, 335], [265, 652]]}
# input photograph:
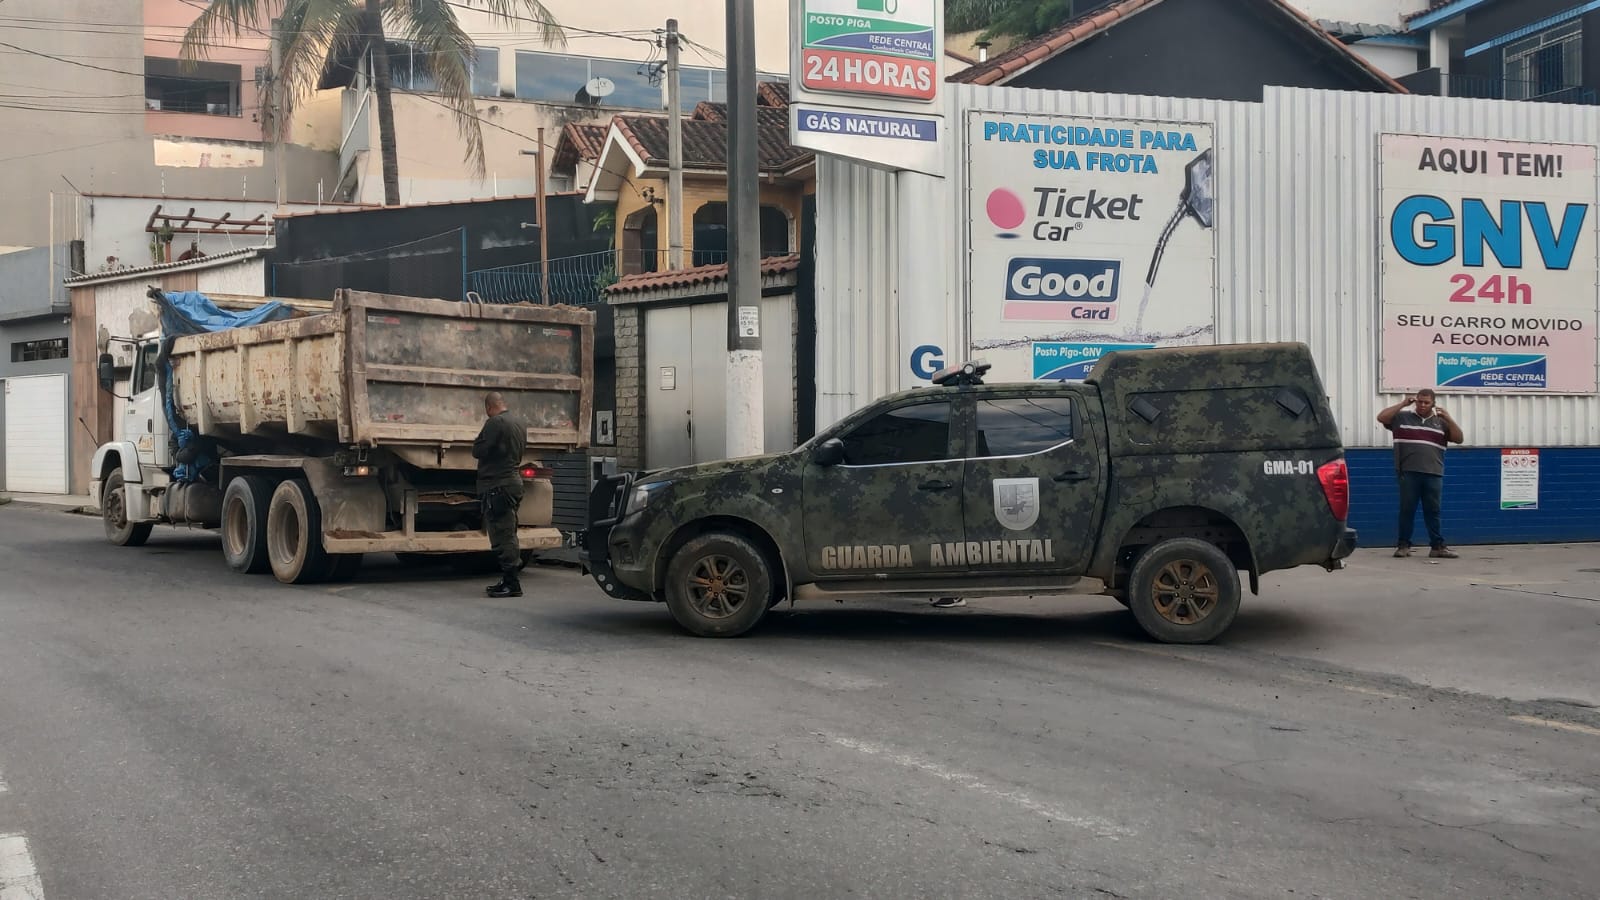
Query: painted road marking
{"points": [[19, 879], [1552, 723], [1101, 827]]}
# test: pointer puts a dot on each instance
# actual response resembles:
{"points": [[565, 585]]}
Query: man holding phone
{"points": [[1420, 437]]}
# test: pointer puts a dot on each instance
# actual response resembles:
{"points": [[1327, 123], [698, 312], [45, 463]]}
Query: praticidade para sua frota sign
{"points": [[1087, 235], [1489, 265]]}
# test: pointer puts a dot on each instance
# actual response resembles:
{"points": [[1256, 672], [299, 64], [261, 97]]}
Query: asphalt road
{"points": [[171, 730]]}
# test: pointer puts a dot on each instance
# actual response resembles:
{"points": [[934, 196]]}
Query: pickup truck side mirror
{"points": [[107, 372], [829, 453]]}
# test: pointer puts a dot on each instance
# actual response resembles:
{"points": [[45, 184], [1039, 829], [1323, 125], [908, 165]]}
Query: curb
{"points": [[51, 507]]}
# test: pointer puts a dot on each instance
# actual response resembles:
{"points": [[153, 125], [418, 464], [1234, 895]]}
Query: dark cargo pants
{"points": [[500, 521]]}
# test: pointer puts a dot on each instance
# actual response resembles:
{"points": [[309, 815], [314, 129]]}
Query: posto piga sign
{"points": [[874, 48]]}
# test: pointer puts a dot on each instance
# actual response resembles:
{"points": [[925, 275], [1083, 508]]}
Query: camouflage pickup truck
{"points": [[1164, 475]]}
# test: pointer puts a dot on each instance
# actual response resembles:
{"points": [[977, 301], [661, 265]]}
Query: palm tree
{"points": [[311, 29]]}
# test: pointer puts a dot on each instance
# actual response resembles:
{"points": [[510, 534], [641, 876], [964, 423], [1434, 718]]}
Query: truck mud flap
{"points": [[606, 503]]}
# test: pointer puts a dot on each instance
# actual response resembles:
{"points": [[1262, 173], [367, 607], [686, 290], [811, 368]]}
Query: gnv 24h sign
{"points": [[1490, 272]]}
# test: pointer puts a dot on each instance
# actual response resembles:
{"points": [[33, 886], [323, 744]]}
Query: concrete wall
{"points": [[430, 148], [86, 128], [27, 284], [1371, 12], [1393, 61]]}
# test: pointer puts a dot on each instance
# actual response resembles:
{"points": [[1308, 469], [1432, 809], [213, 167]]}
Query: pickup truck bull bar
{"points": [[607, 504]]}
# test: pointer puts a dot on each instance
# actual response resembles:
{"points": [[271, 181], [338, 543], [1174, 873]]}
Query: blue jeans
{"points": [[1415, 486]]}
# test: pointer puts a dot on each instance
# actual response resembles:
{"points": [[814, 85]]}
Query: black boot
{"points": [[509, 586]]}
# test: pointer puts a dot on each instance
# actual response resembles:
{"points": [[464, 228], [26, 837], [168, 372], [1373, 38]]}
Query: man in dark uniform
{"points": [[498, 449]]}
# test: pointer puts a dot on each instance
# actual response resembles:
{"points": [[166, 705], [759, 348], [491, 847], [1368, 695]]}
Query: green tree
{"points": [[996, 18], [311, 29]]}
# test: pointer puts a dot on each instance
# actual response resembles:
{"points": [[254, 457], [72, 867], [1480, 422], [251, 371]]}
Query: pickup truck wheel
{"points": [[244, 524], [1184, 591], [114, 511], [294, 535], [718, 585]]}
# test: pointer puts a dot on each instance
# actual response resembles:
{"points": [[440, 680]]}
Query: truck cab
{"points": [[1164, 476]]}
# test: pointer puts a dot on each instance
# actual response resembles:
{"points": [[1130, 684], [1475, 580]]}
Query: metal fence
{"points": [[574, 280], [1548, 91]]}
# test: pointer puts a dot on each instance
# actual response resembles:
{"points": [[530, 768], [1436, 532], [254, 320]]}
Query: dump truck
{"points": [[311, 440]]}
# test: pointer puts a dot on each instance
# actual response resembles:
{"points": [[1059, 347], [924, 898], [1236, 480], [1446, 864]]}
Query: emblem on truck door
{"points": [[1016, 502]]}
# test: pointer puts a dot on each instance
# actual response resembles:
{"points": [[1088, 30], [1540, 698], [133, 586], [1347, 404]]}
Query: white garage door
{"points": [[36, 434]]}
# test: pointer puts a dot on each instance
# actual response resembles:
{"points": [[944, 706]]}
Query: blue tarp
{"points": [[191, 312]]}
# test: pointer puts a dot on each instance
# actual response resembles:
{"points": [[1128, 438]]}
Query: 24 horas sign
{"points": [[1490, 265], [881, 48]]}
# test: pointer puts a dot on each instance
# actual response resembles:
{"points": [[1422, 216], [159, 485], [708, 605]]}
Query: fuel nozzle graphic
{"points": [[1198, 201]]}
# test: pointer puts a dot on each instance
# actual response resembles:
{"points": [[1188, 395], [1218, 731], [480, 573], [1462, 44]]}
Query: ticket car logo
{"points": [[1006, 212], [1038, 289]]}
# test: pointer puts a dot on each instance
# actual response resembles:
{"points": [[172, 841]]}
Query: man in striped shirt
{"points": [[1420, 437]]}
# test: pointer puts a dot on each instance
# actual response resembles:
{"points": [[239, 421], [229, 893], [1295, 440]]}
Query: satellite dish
{"points": [[599, 87]]}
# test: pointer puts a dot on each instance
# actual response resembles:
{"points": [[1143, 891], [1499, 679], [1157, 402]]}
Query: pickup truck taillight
{"points": [[1335, 478]]}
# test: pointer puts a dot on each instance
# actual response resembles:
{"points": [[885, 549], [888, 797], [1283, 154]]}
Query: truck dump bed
{"points": [[397, 372]]}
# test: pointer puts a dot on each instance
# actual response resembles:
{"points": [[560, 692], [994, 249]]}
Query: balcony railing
{"points": [[1480, 87]]}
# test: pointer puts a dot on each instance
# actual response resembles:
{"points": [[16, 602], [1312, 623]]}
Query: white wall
{"points": [[1297, 246], [1393, 61], [1372, 12]]}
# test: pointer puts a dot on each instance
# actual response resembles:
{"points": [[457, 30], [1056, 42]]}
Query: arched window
{"points": [[640, 242], [711, 233]]}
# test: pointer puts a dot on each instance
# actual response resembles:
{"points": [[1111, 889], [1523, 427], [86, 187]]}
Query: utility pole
{"points": [[746, 416], [544, 229], [674, 153], [544, 233]]}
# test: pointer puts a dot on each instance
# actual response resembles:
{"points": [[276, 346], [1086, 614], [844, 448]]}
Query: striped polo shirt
{"points": [[1418, 443]]}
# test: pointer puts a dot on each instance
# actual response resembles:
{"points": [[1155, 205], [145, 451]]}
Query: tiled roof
{"points": [[685, 278], [578, 142], [773, 93], [705, 144], [706, 111], [1356, 30], [999, 69], [179, 265]]}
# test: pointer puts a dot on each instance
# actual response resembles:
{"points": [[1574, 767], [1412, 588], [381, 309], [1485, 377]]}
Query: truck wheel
{"points": [[244, 524], [718, 585], [114, 511], [294, 535], [1184, 591]]}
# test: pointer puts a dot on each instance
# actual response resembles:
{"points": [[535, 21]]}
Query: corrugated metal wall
{"points": [[1297, 245]]}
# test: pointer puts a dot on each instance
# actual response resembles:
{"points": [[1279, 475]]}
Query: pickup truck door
{"points": [[1035, 479], [896, 494]]}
